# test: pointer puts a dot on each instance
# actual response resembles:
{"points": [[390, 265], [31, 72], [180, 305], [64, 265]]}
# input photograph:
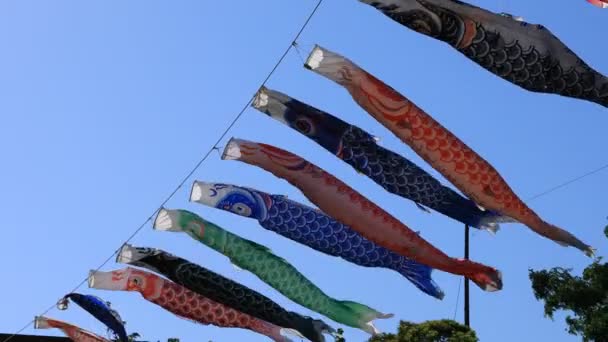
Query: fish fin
{"points": [[423, 208], [285, 333], [258, 246], [365, 315], [236, 267], [485, 277], [371, 328], [491, 221]]}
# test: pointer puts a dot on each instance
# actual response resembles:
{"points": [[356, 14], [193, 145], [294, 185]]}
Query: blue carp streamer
{"points": [[98, 309], [313, 228]]}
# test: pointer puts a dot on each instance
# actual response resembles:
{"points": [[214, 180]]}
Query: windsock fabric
{"points": [[456, 161], [351, 208], [313, 228], [270, 268], [75, 333], [222, 290], [524, 54], [99, 309], [599, 3], [360, 150], [181, 301]]}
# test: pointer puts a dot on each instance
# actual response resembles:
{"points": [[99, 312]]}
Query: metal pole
{"points": [[467, 321]]}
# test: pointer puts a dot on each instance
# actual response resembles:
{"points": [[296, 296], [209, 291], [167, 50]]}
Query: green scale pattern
{"points": [[273, 270]]}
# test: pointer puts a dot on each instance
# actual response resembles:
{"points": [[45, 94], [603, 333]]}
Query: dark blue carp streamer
{"points": [[388, 169], [313, 228], [98, 309]]}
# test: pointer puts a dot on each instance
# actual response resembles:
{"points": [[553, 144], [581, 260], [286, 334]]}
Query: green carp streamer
{"points": [[272, 269]]}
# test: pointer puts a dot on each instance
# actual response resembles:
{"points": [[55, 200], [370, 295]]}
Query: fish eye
{"points": [[303, 125], [241, 209], [137, 281], [193, 226]]}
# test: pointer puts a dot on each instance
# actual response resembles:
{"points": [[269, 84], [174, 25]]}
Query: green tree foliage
{"points": [[429, 331], [586, 297]]}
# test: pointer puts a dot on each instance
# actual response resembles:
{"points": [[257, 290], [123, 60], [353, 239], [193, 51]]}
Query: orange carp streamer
{"points": [[75, 333], [457, 162]]}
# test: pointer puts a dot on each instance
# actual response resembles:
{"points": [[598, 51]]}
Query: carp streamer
{"points": [[270, 268], [524, 54], [181, 301], [313, 228], [222, 290], [447, 154], [99, 309], [75, 333], [353, 209], [360, 150]]}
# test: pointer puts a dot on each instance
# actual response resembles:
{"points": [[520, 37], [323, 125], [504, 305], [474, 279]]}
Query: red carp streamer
{"points": [[346, 205]]}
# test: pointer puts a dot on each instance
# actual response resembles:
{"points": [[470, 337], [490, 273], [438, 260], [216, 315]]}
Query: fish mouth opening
{"points": [[205, 193], [167, 221], [128, 254], [260, 100], [232, 151], [91, 278], [196, 192], [315, 58], [40, 323]]}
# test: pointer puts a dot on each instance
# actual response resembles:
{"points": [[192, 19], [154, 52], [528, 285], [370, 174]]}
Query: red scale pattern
{"points": [[353, 209], [190, 305], [464, 168]]}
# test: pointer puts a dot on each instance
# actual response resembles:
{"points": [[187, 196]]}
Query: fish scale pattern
{"points": [[525, 54], [100, 310], [223, 290], [402, 177], [188, 304], [316, 230], [443, 150], [388, 169], [282, 276], [359, 149]]}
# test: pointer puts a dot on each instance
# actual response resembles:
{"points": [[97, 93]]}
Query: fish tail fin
{"points": [[590, 252], [313, 329], [421, 276], [279, 334], [487, 278], [365, 315], [490, 221], [563, 237], [122, 336]]}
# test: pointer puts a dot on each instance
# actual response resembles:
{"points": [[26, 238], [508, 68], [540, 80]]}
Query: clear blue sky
{"points": [[106, 104]]}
